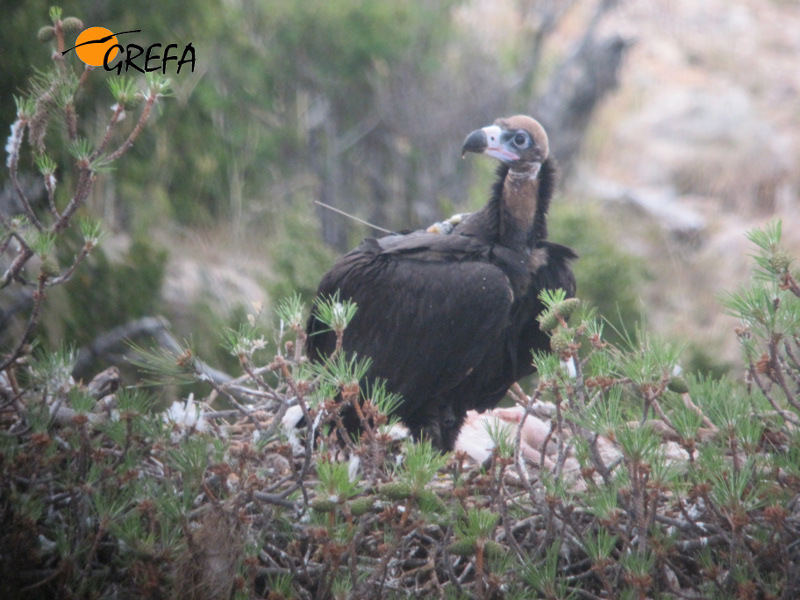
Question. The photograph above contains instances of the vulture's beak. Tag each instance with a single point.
(488, 141)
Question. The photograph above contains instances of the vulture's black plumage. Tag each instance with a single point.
(449, 321)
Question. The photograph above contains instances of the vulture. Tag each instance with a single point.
(449, 320)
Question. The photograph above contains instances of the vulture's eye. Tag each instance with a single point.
(521, 140)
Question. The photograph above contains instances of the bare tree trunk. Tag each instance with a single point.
(584, 79)
(326, 163)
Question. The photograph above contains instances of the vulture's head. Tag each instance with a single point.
(519, 141)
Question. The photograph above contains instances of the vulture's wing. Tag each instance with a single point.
(430, 307)
(555, 271)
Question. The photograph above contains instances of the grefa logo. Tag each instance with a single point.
(98, 46)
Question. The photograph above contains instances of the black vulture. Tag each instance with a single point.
(449, 321)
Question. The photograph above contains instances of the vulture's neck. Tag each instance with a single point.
(516, 215)
(518, 206)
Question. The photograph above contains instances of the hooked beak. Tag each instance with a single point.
(487, 141)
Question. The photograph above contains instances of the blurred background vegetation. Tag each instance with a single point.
(355, 103)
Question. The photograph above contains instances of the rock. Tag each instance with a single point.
(223, 284)
(708, 140)
(662, 204)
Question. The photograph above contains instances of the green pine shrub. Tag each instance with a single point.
(659, 483)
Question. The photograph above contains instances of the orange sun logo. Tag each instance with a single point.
(93, 43)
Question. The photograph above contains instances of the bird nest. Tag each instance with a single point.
(199, 501)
